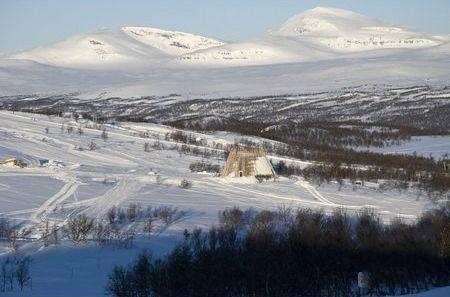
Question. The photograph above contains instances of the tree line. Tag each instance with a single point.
(399, 178)
(328, 143)
(295, 253)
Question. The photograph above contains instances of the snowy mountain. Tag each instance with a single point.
(316, 34)
(339, 47)
(130, 46)
(313, 35)
(348, 31)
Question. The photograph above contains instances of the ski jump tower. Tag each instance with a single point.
(247, 161)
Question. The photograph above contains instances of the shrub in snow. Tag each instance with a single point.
(92, 146)
(133, 212)
(232, 218)
(169, 215)
(157, 145)
(260, 178)
(184, 183)
(104, 135)
(158, 179)
(78, 228)
(111, 215)
(202, 166)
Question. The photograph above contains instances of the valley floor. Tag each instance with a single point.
(120, 172)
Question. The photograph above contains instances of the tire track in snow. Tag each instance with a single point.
(316, 193)
(113, 197)
(239, 190)
(65, 192)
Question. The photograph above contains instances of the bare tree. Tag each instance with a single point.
(45, 232)
(22, 272)
(149, 225)
(54, 234)
(92, 145)
(7, 274)
(133, 212)
(78, 228)
(102, 234)
(104, 135)
(111, 215)
(232, 218)
(76, 116)
(12, 238)
(121, 215)
(168, 215)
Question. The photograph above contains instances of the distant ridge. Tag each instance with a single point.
(317, 34)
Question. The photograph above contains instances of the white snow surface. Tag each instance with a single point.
(120, 172)
(318, 50)
(436, 146)
(128, 47)
(344, 30)
(263, 167)
(438, 292)
(173, 43)
(316, 34)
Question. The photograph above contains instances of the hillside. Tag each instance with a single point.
(316, 34)
(344, 30)
(128, 46)
(322, 49)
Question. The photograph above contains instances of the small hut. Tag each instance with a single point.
(246, 161)
(13, 163)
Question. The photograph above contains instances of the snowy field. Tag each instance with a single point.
(120, 172)
(436, 146)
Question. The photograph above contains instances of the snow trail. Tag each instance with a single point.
(49, 205)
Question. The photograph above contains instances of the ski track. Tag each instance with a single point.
(49, 205)
(113, 197)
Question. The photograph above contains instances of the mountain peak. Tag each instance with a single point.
(330, 10)
(344, 30)
(325, 21)
(315, 34)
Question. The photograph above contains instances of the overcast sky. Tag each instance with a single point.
(25, 24)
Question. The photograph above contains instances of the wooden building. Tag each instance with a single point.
(246, 161)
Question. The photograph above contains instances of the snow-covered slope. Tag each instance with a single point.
(329, 45)
(173, 43)
(313, 35)
(269, 49)
(128, 46)
(316, 34)
(120, 173)
(348, 31)
(101, 48)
